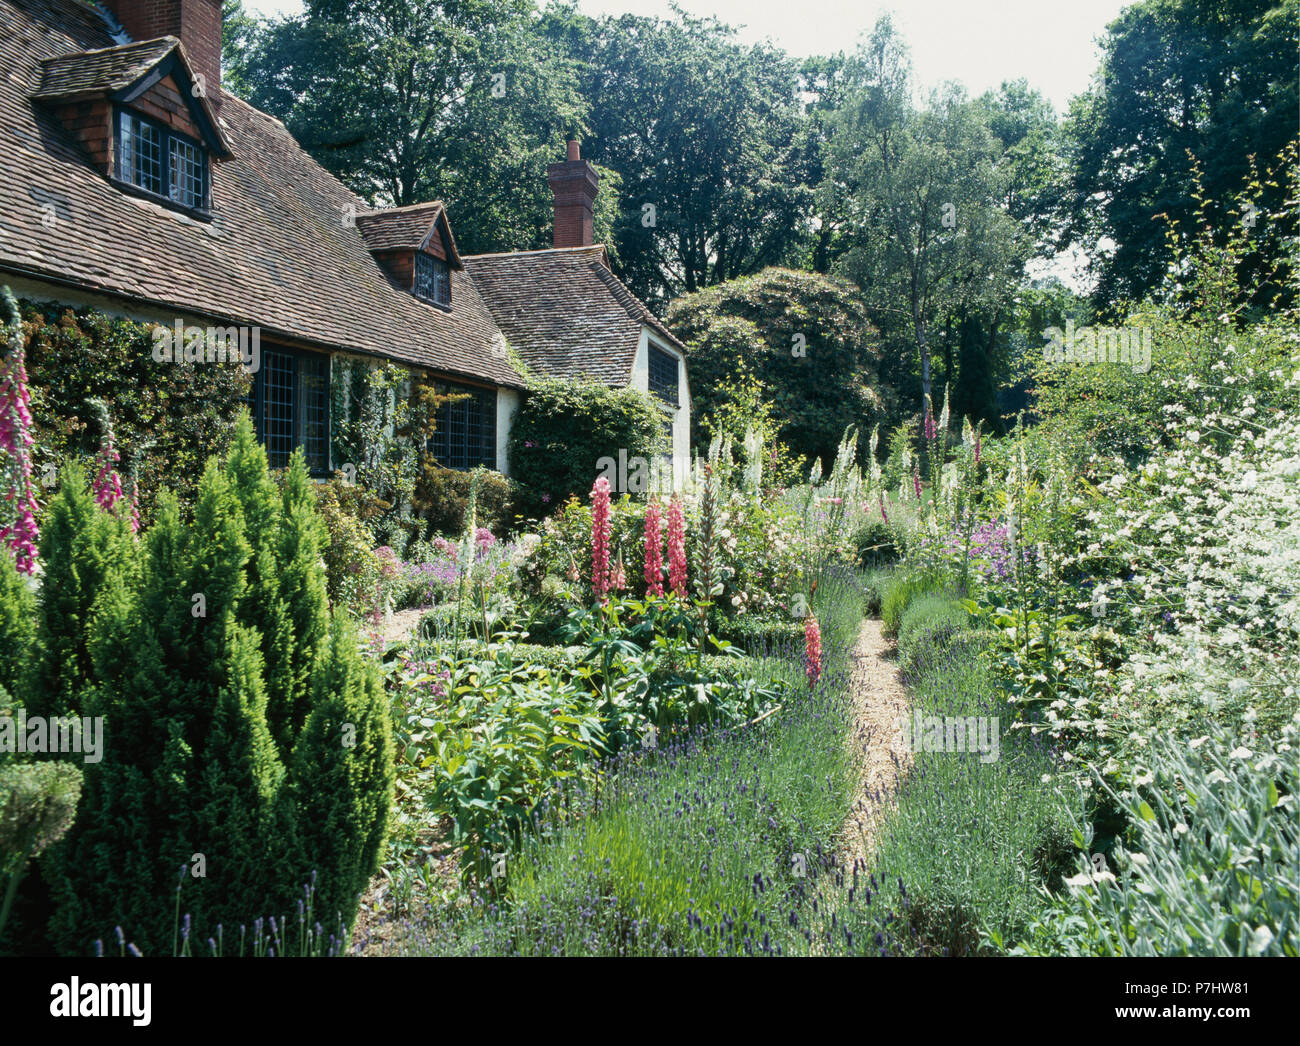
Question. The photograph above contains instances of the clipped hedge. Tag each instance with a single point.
(562, 429)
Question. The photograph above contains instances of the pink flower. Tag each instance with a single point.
(654, 551)
(601, 532)
(882, 507)
(107, 485)
(16, 438)
(931, 432)
(977, 447)
(812, 657)
(618, 579)
(677, 548)
(135, 506)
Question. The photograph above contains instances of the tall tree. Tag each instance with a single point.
(707, 136)
(413, 100)
(1181, 81)
(924, 195)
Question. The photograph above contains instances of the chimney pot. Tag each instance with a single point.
(573, 150)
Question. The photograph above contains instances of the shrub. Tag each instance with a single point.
(762, 637)
(1214, 865)
(17, 623)
(926, 632)
(352, 569)
(876, 544)
(962, 854)
(37, 804)
(82, 550)
(442, 496)
(750, 325)
(171, 415)
(244, 734)
(898, 591)
(563, 428)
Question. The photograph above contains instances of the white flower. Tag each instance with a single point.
(1260, 940)
(1180, 829)
(1240, 752)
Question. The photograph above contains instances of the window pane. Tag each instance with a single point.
(663, 375)
(141, 161)
(315, 377)
(466, 433)
(441, 282)
(186, 161)
(277, 407)
(423, 276)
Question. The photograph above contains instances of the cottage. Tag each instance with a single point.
(133, 183)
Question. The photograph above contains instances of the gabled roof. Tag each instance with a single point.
(565, 312)
(410, 228)
(103, 69)
(279, 252)
(124, 72)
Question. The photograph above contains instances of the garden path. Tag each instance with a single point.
(879, 751)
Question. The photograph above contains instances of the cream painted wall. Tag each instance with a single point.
(682, 418)
(507, 404)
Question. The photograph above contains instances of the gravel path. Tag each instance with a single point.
(879, 702)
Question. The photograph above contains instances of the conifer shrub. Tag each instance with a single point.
(82, 549)
(17, 624)
(247, 745)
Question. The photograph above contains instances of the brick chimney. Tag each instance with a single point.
(197, 23)
(574, 183)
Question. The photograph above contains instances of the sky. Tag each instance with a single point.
(977, 42)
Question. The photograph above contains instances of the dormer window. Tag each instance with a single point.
(162, 162)
(433, 280)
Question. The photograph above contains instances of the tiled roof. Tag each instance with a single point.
(564, 312)
(106, 69)
(281, 251)
(400, 228)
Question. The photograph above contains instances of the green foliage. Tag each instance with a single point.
(166, 417)
(1188, 85)
(249, 747)
(353, 572)
(701, 126)
(442, 495)
(17, 624)
(898, 591)
(970, 841)
(926, 631)
(691, 842)
(83, 551)
(922, 193)
(876, 543)
(754, 325)
(37, 804)
(562, 429)
(427, 73)
(1213, 865)
(343, 777)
